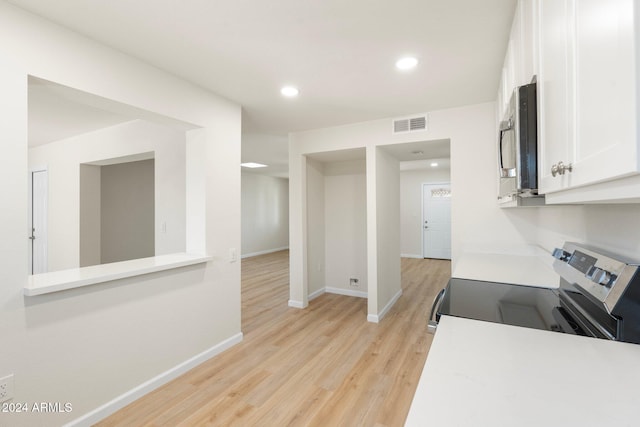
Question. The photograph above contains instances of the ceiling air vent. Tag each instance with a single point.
(410, 124)
(401, 125)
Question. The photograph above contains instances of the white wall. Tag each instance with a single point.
(127, 226)
(315, 220)
(345, 225)
(411, 206)
(615, 227)
(336, 248)
(63, 159)
(387, 209)
(265, 214)
(89, 210)
(90, 345)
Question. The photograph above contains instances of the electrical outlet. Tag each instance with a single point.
(6, 388)
(353, 282)
(233, 255)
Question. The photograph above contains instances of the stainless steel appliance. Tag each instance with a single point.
(518, 146)
(599, 296)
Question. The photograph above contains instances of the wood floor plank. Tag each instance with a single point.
(324, 365)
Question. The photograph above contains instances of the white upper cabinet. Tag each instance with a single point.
(587, 97)
(556, 135)
(520, 62)
(605, 86)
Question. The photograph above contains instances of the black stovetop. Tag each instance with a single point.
(506, 303)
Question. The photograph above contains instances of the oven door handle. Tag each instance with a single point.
(432, 325)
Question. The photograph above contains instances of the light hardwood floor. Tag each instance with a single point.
(321, 366)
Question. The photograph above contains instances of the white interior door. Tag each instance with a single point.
(436, 221)
(39, 184)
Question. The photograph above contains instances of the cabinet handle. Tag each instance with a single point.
(560, 169)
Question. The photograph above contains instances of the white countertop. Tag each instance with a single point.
(533, 270)
(56, 281)
(488, 374)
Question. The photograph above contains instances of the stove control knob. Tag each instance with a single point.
(561, 254)
(599, 276)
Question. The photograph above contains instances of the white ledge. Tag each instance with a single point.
(56, 281)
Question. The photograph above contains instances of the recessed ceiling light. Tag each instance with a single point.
(406, 63)
(253, 165)
(289, 91)
(434, 165)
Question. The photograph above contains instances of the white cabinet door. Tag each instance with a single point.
(529, 41)
(587, 92)
(517, 49)
(522, 44)
(507, 82)
(605, 89)
(516, 69)
(555, 90)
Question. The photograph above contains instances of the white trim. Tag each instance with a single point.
(135, 393)
(338, 291)
(316, 294)
(62, 280)
(267, 251)
(296, 304)
(376, 318)
(412, 255)
(347, 292)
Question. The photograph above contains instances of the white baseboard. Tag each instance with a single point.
(376, 318)
(267, 251)
(296, 304)
(339, 291)
(348, 292)
(123, 400)
(419, 256)
(316, 294)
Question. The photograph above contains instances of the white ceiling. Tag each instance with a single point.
(339, 53)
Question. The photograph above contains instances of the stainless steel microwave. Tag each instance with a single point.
(518, 145)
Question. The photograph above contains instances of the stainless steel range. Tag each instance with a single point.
(599, 296)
